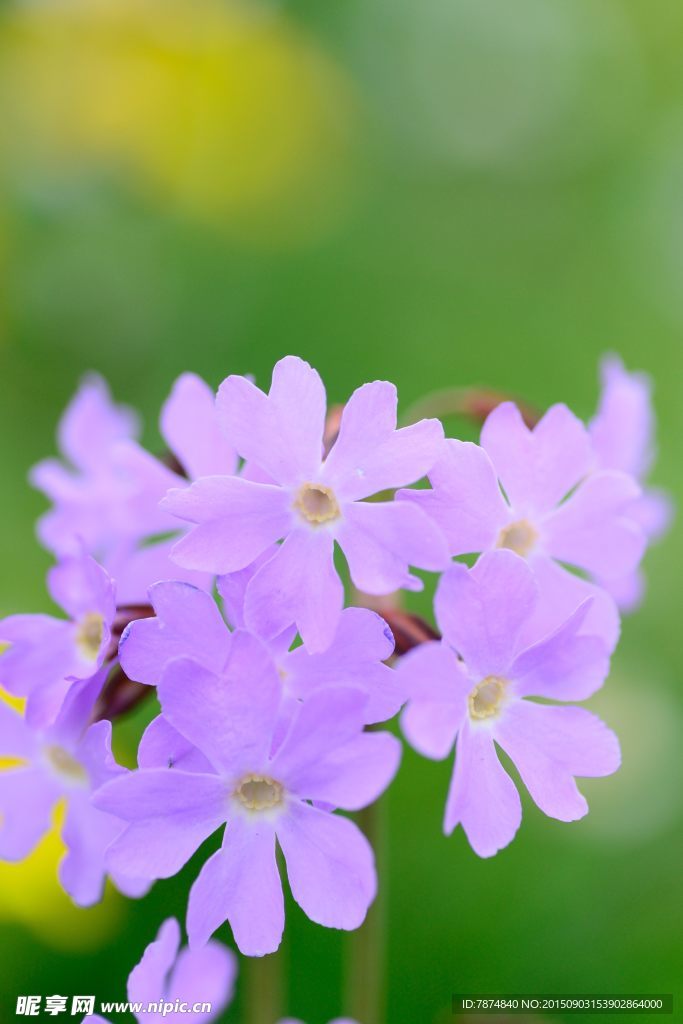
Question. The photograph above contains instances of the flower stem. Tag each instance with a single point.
(366, 948)
(264, 989)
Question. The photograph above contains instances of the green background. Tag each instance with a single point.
(515, 211)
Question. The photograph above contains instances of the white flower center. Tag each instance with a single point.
(519, 537)
(486, 698)
(65, 764)
(317, 504)
(89, 635)
(259, 792)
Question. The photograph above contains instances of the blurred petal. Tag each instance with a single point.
(538, 467)
(189, 426)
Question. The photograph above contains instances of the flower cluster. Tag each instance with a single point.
(211, 578)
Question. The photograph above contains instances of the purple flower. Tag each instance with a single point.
(189, 624)
(45, 654)
(535, 492)
(106, 499)
(192, 977)
(337, 1020)
(66, 761)
(474, 687)
(325, 757)
(622, 433)
(312, 502)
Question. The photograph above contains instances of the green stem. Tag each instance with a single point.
(264, 988)
(366, 947)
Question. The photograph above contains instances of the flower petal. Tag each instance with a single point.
(187, 624)
(236, 520)
(537, 467)
(330, 865)
(482, 797)
(147, 980)
(282, 432)
(27, 797)
(370, 454)
(592, 530)
(465, 501)
(229, 718)
(189, 426)
(171, 812)
(241, 884)
(481, 611)
(382, 539)
(299, 582)
(567, 665)
(549, 746)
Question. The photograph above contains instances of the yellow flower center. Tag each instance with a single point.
(66, 765)
(259, 792)
(519, 537)
(89, 636)
(486, 698)
(317, 504)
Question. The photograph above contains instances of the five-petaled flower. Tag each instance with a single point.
(475, 685)
(312, 501)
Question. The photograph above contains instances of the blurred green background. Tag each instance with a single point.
(449, 192)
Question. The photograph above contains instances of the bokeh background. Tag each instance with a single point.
(449, 192)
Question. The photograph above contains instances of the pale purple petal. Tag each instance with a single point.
(171, 812)
(466, 501)
(147, 980)
(653, 511)
(326, 756)
(481, 611)
(16, 739)
(233, 587)
(299, 582)
(229, 718)
(41, 652)
(236, 521)
(565, 666)
(27, 797)
(549, 746)
(561, 592)
(431, 727)
(80, 586)
(628, 590)
(623, 428)
(482, 796)
(355, 657)
(280, 433)
(592, 529)
(382, 539)
(162, 746)
(370, 455)
(135, 569)
(205, 975)
(330, 866)
(189, 426)
(187, 624)
(538, 467)
(87, 834)
(92, 422)
(241, 884)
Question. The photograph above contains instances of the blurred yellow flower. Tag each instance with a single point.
(228, 112)
(30, 893)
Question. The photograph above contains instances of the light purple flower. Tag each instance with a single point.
(106, 498)
(623, 436)
(189, 624)
(337, 1020)
(66, 761)
(312, 502)
(191, 977)
(45, 654)
(535, 492)
(474, 687)
(325, 757)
